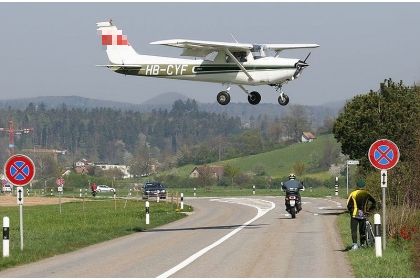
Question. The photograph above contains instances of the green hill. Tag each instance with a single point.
(279, 163)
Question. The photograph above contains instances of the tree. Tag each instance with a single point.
(299, 168)
(392, 113)
(231, 171)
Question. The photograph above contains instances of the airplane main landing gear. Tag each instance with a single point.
(254, 98)
(223, 98)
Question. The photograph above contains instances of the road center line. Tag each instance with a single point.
(261, 212)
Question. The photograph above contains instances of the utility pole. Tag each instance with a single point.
(12, 132)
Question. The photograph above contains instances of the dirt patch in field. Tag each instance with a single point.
(10, 200)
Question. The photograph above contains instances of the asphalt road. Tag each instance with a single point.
(224, 237)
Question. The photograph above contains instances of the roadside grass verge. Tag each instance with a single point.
(48, 233)
(396, 261)
(236, 191)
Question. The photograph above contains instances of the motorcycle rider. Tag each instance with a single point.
(293, 186)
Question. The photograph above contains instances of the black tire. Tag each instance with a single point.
(283, 101)
(255, 98)
(370, 237)
(223, 98)
(293, 212)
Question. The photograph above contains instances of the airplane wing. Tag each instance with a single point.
(202, 48)
(281, 47)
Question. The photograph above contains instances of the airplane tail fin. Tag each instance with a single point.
(117, 47)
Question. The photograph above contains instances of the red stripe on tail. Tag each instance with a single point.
(106, 40)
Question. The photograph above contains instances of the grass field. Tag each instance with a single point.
(47, 232)
(277, 163)
(236, 191)
(396, 262)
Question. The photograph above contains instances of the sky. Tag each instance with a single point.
(51, 49)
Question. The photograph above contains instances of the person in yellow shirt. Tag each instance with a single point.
(359, 204)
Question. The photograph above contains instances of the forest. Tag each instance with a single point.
(181, 135)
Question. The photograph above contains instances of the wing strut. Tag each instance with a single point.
(238, 63)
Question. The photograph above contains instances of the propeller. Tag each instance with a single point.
(300, 65)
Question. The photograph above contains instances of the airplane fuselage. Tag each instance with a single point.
(266, 70)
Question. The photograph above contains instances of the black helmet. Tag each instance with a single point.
(292, 176)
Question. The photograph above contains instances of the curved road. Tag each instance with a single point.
(224, 237)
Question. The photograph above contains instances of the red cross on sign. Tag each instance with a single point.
(384, 154)
(19, 170)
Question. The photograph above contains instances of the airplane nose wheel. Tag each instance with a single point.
(254, 98)
(223, 98)
(283, 99)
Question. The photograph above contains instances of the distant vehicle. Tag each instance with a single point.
(7, 188)
(104, 188)
(154, 189)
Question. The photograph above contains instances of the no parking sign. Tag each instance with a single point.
(383, 155)
(19, 170)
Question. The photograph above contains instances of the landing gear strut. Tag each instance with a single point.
(283, 98)
(253, 97)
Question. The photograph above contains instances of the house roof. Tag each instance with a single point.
(219, 170)
(308, 135)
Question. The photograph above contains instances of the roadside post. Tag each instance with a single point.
(6, 225)
(383, 155)
(51, 192)
(182, 201)
(147, 213)
(80, 192)
(19, 170)
(195, 189)
(377, 233)
(158, 196)
(253, 189)
(336, 186)
(349, 162)
(60, 185)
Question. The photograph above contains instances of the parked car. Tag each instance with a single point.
(104, 188)
(154, 189)
(6, 188)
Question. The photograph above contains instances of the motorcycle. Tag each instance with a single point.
(292, 201)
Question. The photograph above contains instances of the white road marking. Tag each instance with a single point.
(262, 208)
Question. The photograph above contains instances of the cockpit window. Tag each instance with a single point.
(258, 51)
(240, 56)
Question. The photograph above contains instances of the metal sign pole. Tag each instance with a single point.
(347, 175)
(384, 185)
(19, 199)
(21, 226)
(59, 198)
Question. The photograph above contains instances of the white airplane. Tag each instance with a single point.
(231, 63)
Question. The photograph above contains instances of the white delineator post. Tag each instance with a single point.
(253, 189)
(336, 186)
(80, 192)
(194, 192)
(6, 224)
(147, 213)
(158, 196)
(377, 232)
(182, 201)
